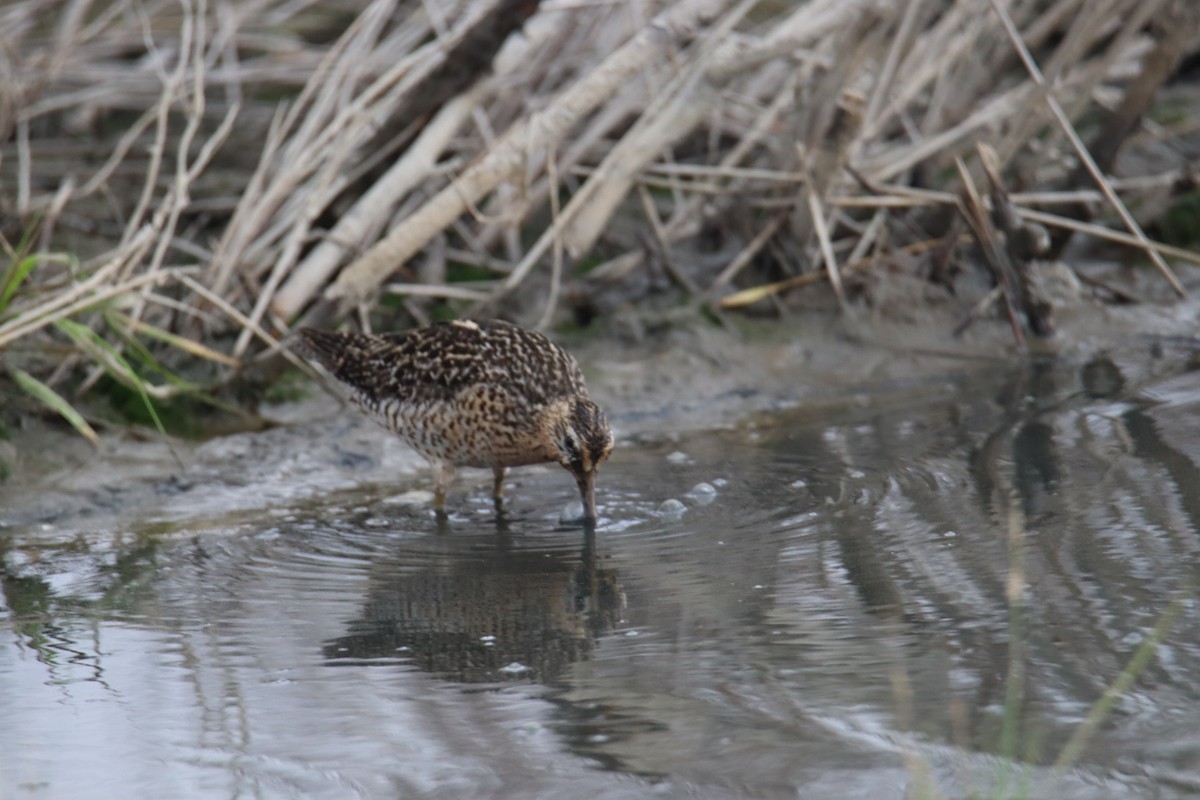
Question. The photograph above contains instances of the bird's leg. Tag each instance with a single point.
(443, 474)
(498, 485)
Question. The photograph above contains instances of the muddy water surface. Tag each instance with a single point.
(922, 593)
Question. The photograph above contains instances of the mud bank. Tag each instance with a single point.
(655, 374)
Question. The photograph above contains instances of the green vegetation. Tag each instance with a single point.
(1180, 224)
(55, 402)
(154, 273)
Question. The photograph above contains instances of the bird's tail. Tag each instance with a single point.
(358, 360)
(327, 348)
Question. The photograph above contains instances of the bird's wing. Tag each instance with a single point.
(438, 362)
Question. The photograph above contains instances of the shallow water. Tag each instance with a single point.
(922, 593)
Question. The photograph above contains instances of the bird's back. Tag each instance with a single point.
(468, 392)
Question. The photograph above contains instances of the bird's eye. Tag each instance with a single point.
(571, 448)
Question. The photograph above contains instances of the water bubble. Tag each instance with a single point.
(415, 497)
(703, 493)
(671, 509)
(679, 457)
(571, 512)
(515, 668)
(529, 728)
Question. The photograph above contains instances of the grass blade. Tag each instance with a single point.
(126, 327)
(179, 342)
(14, 276)
(55, 402)
(112, 361)
(1103, 707)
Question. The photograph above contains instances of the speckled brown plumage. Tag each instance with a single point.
(477, 394)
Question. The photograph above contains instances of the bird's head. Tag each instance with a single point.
(580, 440)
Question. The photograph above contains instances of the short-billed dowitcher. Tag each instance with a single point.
(473, 394)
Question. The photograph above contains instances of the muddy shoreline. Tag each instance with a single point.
(655, 377)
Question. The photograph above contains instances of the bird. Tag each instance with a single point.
(474, 394)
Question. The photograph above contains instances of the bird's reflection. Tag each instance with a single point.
(485, 611)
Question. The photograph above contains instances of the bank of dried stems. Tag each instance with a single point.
(224, 170)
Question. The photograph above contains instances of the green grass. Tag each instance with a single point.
(1178, 225)
(55, 402)
(110, 359)
(290, 387)
(138, 386)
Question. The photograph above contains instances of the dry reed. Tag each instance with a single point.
(222, 171)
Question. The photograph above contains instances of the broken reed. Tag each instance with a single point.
(221, 176)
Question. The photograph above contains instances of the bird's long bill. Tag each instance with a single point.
(587, 493)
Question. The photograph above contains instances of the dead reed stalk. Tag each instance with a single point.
(220, 171)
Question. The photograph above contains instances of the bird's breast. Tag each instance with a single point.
(480, 427)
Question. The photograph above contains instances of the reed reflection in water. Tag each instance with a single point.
(922, 594)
